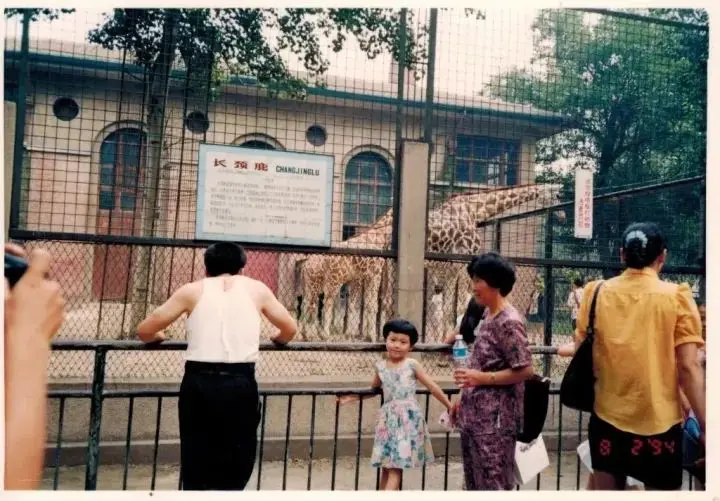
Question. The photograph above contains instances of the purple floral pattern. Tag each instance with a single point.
(490, 417)
(401, 436)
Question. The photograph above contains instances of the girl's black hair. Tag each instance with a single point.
(642, 244)
(401, 326)
(494, 270)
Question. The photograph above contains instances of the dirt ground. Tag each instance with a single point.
(296, 476)
(273, 366)
(274, 475)
(83, 322)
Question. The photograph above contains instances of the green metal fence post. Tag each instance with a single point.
(96, 403)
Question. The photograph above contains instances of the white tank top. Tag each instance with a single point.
(225, 324)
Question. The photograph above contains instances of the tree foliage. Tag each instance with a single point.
(36, 14)
(636, 93)
(251, 41)
(214, 44)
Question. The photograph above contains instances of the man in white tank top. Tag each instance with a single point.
(219, 405)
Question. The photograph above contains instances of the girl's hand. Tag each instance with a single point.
(465, 378)
(453, 412)
(346, 399)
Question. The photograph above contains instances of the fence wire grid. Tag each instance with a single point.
(111, 108)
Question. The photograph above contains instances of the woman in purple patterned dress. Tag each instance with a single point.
(489, 414)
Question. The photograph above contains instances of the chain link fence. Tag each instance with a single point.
(112, 107)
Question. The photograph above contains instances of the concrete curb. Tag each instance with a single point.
(298, 448)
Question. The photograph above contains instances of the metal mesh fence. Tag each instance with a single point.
(541, 94)
(114, 105)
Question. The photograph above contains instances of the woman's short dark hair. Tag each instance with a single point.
(494, 270)
(579, 282)
(401, 326)
(224, 257)
(642, 244)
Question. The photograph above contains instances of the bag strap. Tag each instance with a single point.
(590, 332)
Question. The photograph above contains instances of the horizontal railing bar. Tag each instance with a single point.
(99, 239)
(605, 196)
(110, 345)
(69, 393)
(564, 263)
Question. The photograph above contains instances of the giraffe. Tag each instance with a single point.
(323, 274)
(451, 229)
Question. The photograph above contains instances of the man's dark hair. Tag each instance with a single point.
(494, 270)
(579, 282)
(642, 244)
(224, 257)
(401, 326)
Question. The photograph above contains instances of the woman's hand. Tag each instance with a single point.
(566, 350)
(465, 378)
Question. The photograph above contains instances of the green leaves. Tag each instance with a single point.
(636, 91)
(624, 83)
(36, 14)
(252, 41)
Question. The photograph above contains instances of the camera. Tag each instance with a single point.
(15, 268)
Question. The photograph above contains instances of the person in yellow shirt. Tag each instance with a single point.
(645, 351)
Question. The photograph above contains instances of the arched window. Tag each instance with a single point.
(368, 191)
(121, 173)
(121, 156)
(258, 145)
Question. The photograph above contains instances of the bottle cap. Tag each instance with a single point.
(458, 337)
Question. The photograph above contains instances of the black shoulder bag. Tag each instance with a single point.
(577, 390)
(535, 407)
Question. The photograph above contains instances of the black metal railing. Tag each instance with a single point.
(345, 451)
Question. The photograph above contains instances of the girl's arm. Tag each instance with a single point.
(431, 385)
(376, 383)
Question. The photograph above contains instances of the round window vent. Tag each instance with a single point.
(197, 122)
(316, 135)
(65, 109)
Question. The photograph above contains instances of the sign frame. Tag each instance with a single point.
(584, 203)
(205, 147)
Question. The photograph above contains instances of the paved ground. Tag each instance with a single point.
(296, 477)
(297, 474)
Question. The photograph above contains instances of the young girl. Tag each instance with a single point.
(401, 436)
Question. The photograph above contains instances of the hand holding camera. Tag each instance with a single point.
(34, 305)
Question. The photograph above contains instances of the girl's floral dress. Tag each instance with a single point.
(401, 436)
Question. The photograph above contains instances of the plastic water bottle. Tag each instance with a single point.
(460, 353)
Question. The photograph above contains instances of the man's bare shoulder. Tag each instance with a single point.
(191, 290)
(252, 283)
(257, 290)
